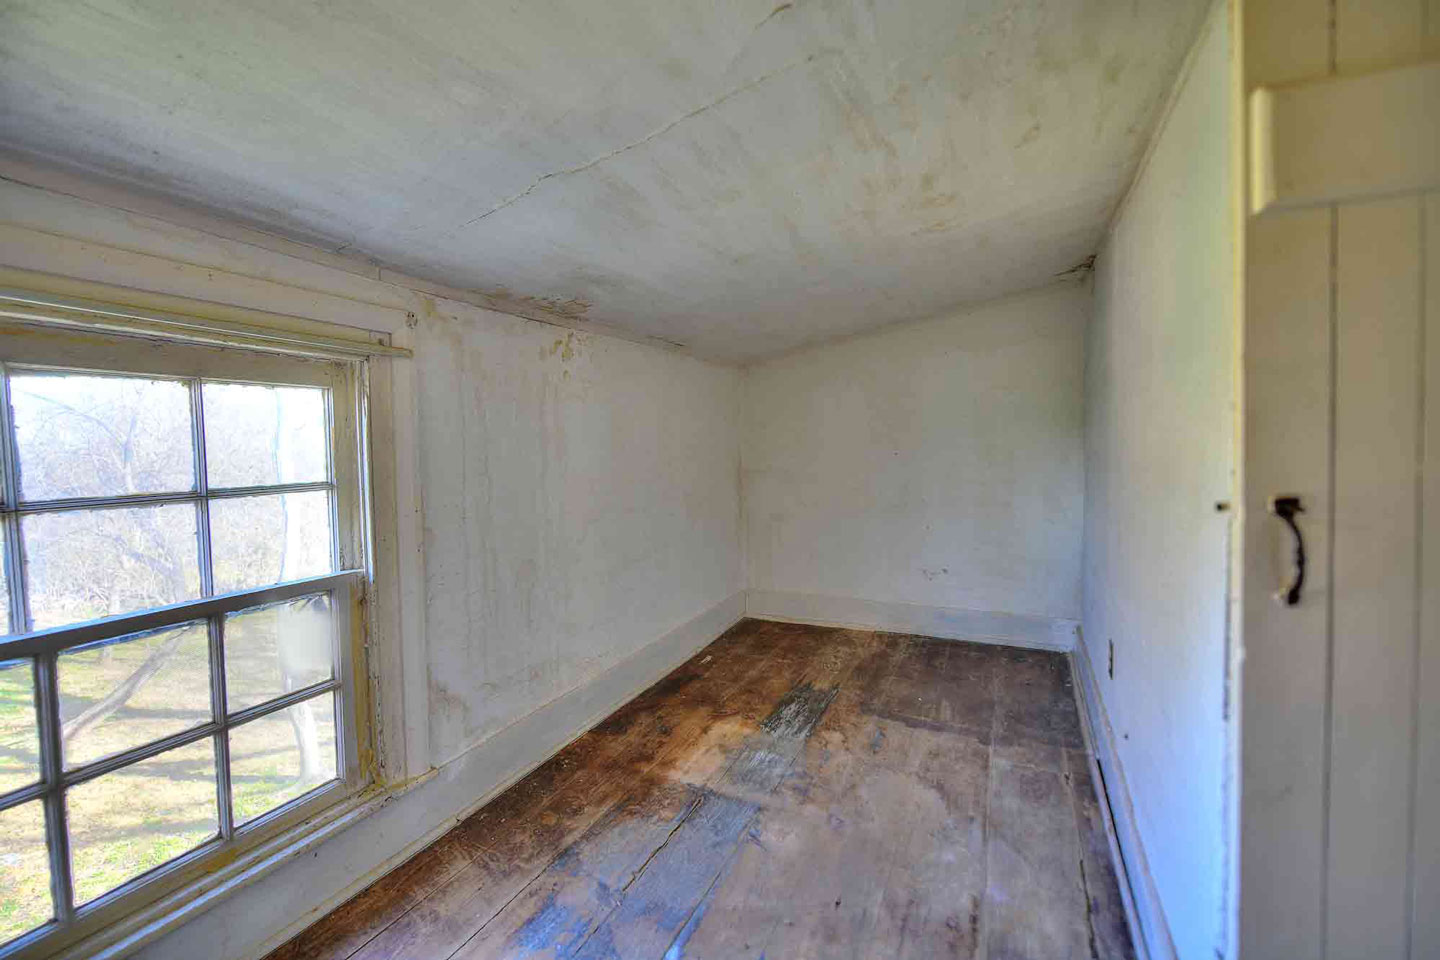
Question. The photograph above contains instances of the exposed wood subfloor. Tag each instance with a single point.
(790, 792)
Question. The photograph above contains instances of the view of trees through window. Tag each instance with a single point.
(127, 494)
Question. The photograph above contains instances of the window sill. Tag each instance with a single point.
(154, 920)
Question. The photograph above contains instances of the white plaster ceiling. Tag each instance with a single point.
(739, 176)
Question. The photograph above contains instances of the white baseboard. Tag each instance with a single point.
(265, 914)
(1148, 927)
(949, 623)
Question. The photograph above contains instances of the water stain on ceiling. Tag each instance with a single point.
(741, 177)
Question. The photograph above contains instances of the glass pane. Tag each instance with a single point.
(84, 564)
(135, 819)
(276, 649)
(5, 627)
(24, 870)
(281, 756)
(86, 436)
(258, 436)
(19, 734)
(255, 541)
(125, 692)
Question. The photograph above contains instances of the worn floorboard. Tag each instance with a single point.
(790, 791)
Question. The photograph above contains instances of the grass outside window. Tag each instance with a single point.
(179, 563)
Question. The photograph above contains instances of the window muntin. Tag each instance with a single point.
(172, 602)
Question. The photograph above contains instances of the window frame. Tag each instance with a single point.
(345, 381)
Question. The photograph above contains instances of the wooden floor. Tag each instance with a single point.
(790, 792)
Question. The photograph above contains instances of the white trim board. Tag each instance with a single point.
(1149, 929)
(1348, 138)
(402, 826)
(946, 623)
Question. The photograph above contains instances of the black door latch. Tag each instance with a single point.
(1286, 508)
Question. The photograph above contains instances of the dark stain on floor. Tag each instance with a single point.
(790, 791)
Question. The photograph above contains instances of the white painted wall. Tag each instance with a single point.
(581, 499)
(1159, 435)
(935, 465)
(567, 526)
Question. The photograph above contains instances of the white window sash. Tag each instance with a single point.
(196, 361)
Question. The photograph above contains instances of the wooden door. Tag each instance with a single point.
(1340, 721)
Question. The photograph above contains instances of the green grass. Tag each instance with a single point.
(19, 748)
(139, 817)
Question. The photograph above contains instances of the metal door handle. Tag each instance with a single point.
(1286, 508)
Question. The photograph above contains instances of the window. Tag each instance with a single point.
(182, 558)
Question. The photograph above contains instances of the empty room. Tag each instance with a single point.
(749, 479)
